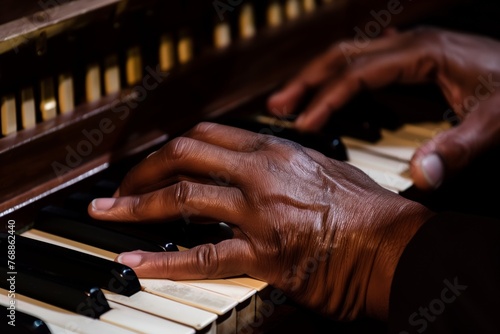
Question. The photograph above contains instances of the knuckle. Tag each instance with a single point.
(135, 209)
(182, 193)
(176, 148)
(207, 260)
(203, 127)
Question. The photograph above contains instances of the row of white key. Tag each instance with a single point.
(388, 160)
(197, 304)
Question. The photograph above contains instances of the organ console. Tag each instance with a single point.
(90, 87)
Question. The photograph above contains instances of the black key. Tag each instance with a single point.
(328, 144)
(22, 323)
(69, 265)
(86, 300)
(69, 225)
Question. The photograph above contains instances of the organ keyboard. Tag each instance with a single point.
(88, 88)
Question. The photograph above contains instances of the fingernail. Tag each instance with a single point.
(130, 259)
(432, 168)
(103, 204)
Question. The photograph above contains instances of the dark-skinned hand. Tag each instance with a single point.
(465, 67)
(318, 229)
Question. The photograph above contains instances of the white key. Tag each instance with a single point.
(222, 35)
(134, 66)
(360, 156)
(292, 9)
(245, 296)
(9, 118)
(185, 49)
(166, 53)
(66, 93)
(93, 83)
(176, 291)
(112, 80)
(274, 14)
(387, 180)
(189, 295)
(250, 282)
(48, 104)
(389, 146)
(54, 329)
(28, 109)
(421, 132)
(165, 308)
(247, 21)
(51, 314)
(141, 322)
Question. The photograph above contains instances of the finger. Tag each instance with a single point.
(224, 259)
(368, 72)
(451, 151)
(182, 156)
(327, 66)
(228, 137)
(182, 200)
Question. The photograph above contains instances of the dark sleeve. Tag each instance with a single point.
(448, 278)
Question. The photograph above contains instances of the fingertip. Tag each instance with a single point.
(428, 172)
(275, 103)
(132, 259)
(284, 101)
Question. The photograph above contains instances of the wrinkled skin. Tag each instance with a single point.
(318, 229)
(465, 67)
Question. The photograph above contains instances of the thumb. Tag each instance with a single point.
(448, 153)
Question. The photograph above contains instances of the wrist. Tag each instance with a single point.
(394, 238)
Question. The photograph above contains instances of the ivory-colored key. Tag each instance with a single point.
(66, 93)
(176, 291)
(112, 79)
(360, 156)
(387, 180)
(167, 52)
(141, 322)
(71, 321)
(93, 83)
(166, 308)
(245, 310)
(222, 35)
(292, 9)
(48, 103)
(274, 14)
(389, 146)
(309, 6)
(190, 295)
(9, 118)
(28, 109)
(134, 66)
(185, 49)
(247, 21)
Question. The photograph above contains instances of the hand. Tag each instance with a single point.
(465, 67)
(318, 229)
